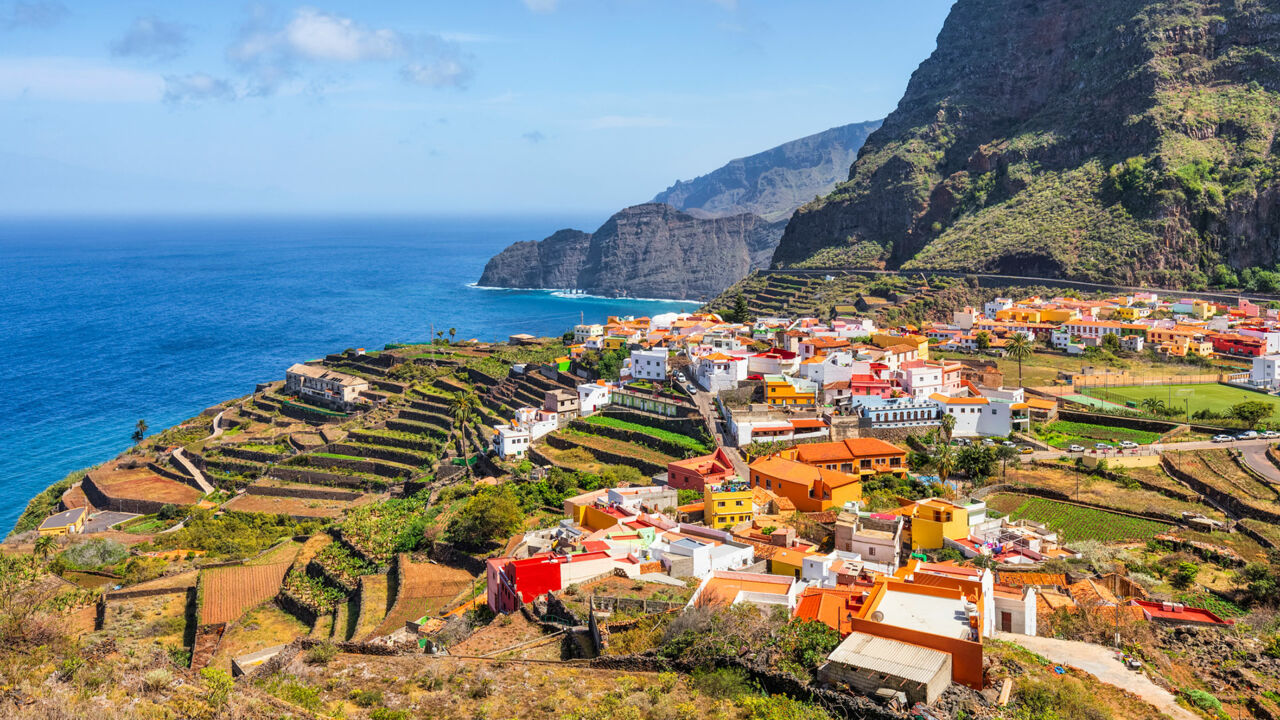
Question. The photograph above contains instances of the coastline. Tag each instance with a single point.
(563, 293)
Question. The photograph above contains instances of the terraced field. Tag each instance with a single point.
(1107, 493)
(1218, 470)
(226, 593)
(1076, 523)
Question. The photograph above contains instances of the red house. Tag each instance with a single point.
(512, 583)
(697, 473)
(1238, 345)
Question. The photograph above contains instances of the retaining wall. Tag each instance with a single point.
(305, 493)
(379, 453)
(632, 436)
(605, 456)
(386, 441)
(1230, 502)
(314, 477)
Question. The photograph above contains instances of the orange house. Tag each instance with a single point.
(810, 489)
(855, 456)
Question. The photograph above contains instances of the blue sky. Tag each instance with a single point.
(476, 106)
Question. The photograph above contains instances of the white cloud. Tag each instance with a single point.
(320, 36)
(196, 87)
(273, 54)
(609, 122)
(542, 6)
(75, 80)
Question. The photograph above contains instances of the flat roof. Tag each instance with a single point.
(945, 616)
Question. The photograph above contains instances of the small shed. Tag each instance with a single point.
(868, 663)
(64, 523)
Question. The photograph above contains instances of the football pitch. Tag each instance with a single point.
(1209, 396)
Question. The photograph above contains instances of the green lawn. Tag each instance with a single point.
(1210, 396)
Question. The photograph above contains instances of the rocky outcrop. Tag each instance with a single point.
(551, 263)
(650, 250)
(772, 184)
(1131, 140)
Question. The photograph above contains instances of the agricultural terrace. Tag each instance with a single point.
(227, 592)
(425, 589)
(1074, 522)
(1094, 490)
(1183, 399)
(1220, 471)
(380, 530)
(1062, 434)
(264, 626)
(683, 440)
(1042, 368)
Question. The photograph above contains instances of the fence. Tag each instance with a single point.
(1128, 379)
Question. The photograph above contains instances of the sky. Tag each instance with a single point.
(424, 106)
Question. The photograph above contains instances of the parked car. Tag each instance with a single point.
(1026, 450)
(1128, 444)
(1271, 434)
(1007, 443)
(1102, 446)
(1247, 435)
(1076, 448)
(1222, 438)
(988, 441)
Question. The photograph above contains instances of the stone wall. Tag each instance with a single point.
(604, 456)
(304, 493)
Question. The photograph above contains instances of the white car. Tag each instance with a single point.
(1247, 435)
(1222, 438)
(1007, 443)
(1128, 444)
(1076, 448)
(1271, 434)
(1102, 446)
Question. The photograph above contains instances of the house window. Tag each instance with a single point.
(871, 552)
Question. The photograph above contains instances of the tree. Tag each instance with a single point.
(1004, 454)
(45, 546)
(983, 339)
(1184, 576)
(1251, 412)
(978, 463)
(463, 407)
(1111, 342)
(453, 332)
(740, 312)
(948, 425)
(1154, 405)
(1020, 348)
(944, 459)
(486, 517)
(139, 431)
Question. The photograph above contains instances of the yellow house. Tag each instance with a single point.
(1131, 312)
(64, 523)
(885, 340)
(1058, 315)
(782, 390)
(789, 561)
(1019, 314)
(727, 504)
(613, 342)
(934, 520)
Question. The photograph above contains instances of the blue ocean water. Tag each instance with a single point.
(109, 321)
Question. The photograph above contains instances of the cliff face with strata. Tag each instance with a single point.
(696, 238)
(1125, 140)
(650, 250)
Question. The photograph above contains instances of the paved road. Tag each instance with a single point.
(1255, 456)
(1101, 662)
(195, 473)
(715, 424)
(1258, 446)
(217, 426)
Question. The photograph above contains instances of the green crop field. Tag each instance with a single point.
(1063, 434)
(1075, 523)
(1211, 396)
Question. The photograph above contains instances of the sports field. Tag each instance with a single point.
(1211, 396)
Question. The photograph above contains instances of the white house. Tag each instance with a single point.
(1265, 372)
(582, 333)
(649, 364)
(530, 424)
(875, 538)
(994, 413)
(922, 378)
(592, 397)
(995, 306)
(324, 386)
(717, 371)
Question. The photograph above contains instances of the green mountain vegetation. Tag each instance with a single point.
(1131, 140)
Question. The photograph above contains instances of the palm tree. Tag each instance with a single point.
(45, 546)
(452, 333)
(139, 431)
(1005, 453)
(1154, 405)
(944, 459)
(1020, 348)
(463, 407)
(948, 425)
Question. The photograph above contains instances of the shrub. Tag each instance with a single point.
(157, 680)
(321, 654)
(218, 684)
(366, 698)
(387, 714)
(94, 554)
(728, 683)
(1204, 701)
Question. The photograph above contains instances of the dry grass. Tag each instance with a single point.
(262, 627)
(143, 621)
(1105, 493)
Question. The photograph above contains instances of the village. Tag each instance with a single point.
(1079, 479)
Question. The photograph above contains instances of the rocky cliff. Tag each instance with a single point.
(697, 237)
(1123, 140)
(650, 250)
(772, 184)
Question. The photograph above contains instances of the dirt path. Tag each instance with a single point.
(195, 473)
(1101, 662)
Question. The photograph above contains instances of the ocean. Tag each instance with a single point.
(109, 321)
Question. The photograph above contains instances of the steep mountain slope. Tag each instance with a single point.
(772, 184)
(650, 250)
(682, 251)
(1128, 139)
